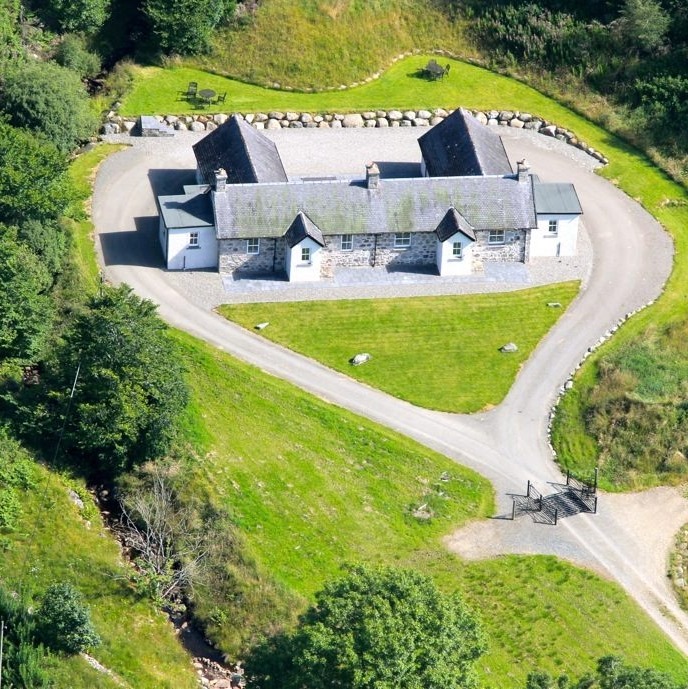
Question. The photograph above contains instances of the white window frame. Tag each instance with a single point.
(553, 228)
(253, 246)
(402, 240)
(457, 251)
(347, 242)
(496, 237)
(305, 254)
(193, 239)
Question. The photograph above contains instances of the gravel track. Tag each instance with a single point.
(631, 257)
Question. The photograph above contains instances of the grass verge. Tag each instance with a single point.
(437, 352)
(82, 171)
(310, 487)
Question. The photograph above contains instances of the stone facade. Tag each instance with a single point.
(370, 250)
(512, 250)
(234, 258)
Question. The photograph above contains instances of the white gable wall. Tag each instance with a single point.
(299, 270)
(181, 255)
(563, 243)
(447, 263)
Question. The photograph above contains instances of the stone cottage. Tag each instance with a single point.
(245, 217)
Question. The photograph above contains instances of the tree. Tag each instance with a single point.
(64, 620)
(381, 628)
(75, 15)
(26, 309)
(34, 182)
(130, 387)
(49, 100)
(47, 239)
(185, 26)
(644, 24)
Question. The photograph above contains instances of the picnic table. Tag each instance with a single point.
(433, 70)
(206, 95)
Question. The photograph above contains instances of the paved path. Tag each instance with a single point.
(630, 537)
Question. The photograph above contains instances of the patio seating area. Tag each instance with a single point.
(202, 98)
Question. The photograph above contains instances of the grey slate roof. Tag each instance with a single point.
(303, 227)
(460, 145)
(187, 210)
(398, 205)
(454, 222)
(556, 198)
(245, 154)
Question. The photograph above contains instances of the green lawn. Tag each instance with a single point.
(436, 352)
(311, 486)
(53, 542)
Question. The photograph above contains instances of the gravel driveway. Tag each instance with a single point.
(629, 538)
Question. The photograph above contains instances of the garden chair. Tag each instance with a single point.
(222, 98)
(192, 89)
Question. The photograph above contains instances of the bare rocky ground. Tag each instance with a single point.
(630, 537)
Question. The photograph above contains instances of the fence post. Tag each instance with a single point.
(568, 476)
(596, 471)
(513, 510)
(594, 510)
(528, 491)
(556, 516)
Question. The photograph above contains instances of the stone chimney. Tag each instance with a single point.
(372, 176)
(523, 170)
(220, 179)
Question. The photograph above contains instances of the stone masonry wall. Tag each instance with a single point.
(233, 256)
(116, 124)
(513, 249)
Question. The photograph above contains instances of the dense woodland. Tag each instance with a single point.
(61, 63)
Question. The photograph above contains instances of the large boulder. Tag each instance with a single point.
(352, 120)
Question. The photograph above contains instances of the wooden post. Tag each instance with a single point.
(556, 516)
(568, 476)
(513, 510)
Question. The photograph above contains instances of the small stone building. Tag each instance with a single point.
(246, 218)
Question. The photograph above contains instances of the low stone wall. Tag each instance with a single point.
(116, 124)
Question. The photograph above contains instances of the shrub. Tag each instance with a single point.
(73, 54)
(49, 100)
(64, 621)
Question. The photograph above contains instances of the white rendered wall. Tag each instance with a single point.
(563, 243)
(184, 257)
(297, 270)
(447, 264)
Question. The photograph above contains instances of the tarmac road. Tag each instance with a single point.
(629, 539)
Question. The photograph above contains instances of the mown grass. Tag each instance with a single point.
(54, 542)
(436, 352)
(316, 43)
(310, 487)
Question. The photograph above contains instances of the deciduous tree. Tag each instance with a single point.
(49, 100)
(130, 387)
(375, 628)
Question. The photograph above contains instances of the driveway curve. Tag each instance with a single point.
(629, 539)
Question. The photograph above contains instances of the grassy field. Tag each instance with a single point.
(437, 352)
(54, 542)
(311, 486)
(317, 43)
